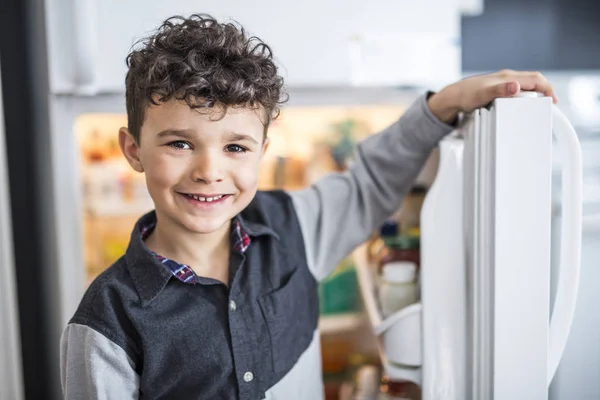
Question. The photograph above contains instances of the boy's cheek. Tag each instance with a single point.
(248, 185)
(248, 177)
(160, 176)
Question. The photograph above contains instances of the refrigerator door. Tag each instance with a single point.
(11, 380)
(508, 167)
(508, 266)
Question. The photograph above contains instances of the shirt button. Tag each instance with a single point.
(248, 376)
(233, 307)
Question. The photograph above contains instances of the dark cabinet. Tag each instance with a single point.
(533, 35)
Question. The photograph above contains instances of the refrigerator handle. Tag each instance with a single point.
(570, 246)
(85, 47)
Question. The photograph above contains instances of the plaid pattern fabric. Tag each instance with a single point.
(184, 273)
(239, 238)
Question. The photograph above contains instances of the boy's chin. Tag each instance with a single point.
(207, 226)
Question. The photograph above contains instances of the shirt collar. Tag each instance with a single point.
(255, 229)
(149, 276)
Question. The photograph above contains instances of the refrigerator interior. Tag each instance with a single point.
(306, 143)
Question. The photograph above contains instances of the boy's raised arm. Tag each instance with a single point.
(340, 211)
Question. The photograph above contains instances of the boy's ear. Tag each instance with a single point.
(130, 149)
(265, 146)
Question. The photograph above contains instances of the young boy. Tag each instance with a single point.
(216, 296)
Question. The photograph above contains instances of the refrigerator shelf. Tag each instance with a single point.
(408, 320)
(340, 323)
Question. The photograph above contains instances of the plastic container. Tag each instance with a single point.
(398, 287)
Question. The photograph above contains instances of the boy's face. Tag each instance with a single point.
(201, 170)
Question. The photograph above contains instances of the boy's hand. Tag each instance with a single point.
(477, 91)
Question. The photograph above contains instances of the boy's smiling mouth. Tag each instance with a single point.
(209, 199)
(196, 198)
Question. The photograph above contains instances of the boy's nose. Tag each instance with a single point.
(207, 169)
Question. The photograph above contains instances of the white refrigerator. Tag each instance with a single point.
(485, 327)
(86, 42)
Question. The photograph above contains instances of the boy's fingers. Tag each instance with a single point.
(535, 81)
(508, 89)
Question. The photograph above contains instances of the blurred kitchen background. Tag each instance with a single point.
(68, 200)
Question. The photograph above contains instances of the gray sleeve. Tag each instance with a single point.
(93, 367)
(342, 210)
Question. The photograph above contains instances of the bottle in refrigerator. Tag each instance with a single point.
(398, 287)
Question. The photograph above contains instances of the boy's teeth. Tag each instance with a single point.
(208, 199)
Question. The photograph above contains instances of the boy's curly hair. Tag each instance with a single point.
(205, 63)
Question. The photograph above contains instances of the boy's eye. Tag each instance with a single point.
(234, 148)
(179, 144)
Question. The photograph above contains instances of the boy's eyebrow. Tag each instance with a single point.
(184, 133)
(175, 132)
(236, 137)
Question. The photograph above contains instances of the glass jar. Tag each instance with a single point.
(401, 248)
